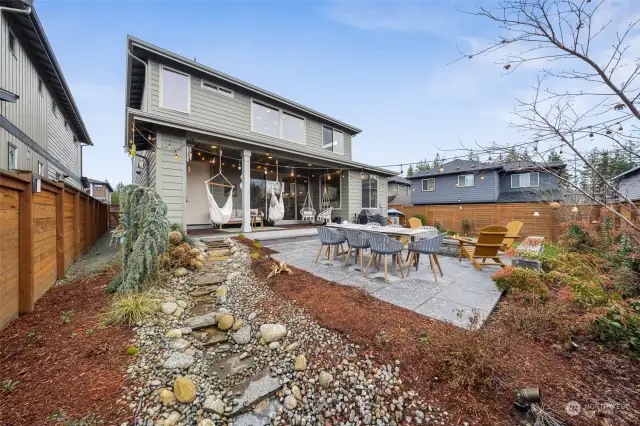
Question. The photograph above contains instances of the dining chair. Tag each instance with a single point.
(430, 247)
(384, 245)
(330, 238)
(357, 240)
(373, 224)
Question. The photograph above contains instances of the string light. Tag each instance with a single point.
(176, 157)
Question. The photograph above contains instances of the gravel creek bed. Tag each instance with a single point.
(226, 350)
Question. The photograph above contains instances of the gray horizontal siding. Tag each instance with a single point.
(447, 192)
(401, 198)
(61, 145)
(545, 192)
(630, 187)
(547, 181)
(146, 175)
(171, 174)
(233, 116)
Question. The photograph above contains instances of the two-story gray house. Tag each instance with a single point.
(41, 129)
(464, 182)
(399, 191)
(186, 122)
(629, 183)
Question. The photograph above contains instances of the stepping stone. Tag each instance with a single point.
(203, 308)
(261, 414)
(215, 336)
(203, 291)
(214, 253)
(253, 390)
(230, 366)
(218, 258)
(209, 279)
(201, 321)
(178, 360)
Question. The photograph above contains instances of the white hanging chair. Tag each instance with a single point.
(276, 206)
(307, 212)
(219, 216)
(325, 204)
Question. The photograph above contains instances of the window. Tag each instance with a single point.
(466, 180)
(293, 128)
(12, 43)
(40, 169)
(525, 180)
(407, 189)
(429, 184)
(332, 140)
(175, 90)
(40, 86)
(12, 157)
(217, 89)
(396, 189)
(54, 108)
(330, 184)
(369, 191)
(277, 123)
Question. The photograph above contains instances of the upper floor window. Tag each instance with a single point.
(96, 187)
(217, 89)
(12, 42)
(396, 189)
(466, 180)
(13, 157)
(369, 191)
(332, 140)
(428, 184)
(175, 90)
(278, 123)
(525, 180)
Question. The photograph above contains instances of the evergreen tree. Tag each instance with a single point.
(473, 156)
(437, 161)
(554, 157)
(422, 166)
(115, 195)
(410, 171)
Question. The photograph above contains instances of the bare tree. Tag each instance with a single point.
(587, 84)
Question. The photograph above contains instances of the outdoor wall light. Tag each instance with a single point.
(36, 184)
(536, 214)
(574, 209)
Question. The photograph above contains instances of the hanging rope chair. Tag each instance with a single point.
(325, 204)
(276, 206)
(307, 212)
(217, 215)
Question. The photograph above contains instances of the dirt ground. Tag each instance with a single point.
(59, 365)
(593, 377)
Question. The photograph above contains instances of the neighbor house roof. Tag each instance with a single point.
(136, 82)
(467, 166)
(100, 182)
(30, 32)
(400, 180)
(628, 173)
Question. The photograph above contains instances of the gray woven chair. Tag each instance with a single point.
(357, 240)
(383, 245)
(428, 246)
(429, 231)
(330, 238)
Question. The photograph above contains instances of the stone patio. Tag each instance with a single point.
(462, 293)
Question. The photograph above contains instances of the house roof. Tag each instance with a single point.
(136, 82)
(530, 196)
(466, 166)
(400, 180)
(101, 182)
(628, 173)
(30, 32)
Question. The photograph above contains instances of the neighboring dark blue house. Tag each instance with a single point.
(464, 181)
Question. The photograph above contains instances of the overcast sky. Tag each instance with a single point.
(380, 66)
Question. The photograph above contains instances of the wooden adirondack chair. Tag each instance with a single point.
(513, 230)
(414, 222)
(487, 246)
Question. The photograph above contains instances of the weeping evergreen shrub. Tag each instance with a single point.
(146, 235)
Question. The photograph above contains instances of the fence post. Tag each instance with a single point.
(76, 224)
(85, 249)
(26, 247)
(60, 231)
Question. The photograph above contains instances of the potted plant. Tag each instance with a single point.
(465, 226)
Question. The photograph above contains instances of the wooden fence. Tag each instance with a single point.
(114, 216)
(41, 234)
(545, 224)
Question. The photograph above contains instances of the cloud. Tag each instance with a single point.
(391, 16)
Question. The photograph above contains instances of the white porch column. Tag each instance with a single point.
(246, 187)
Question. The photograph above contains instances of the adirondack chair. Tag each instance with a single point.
(414, 222)
(513, 229)
(487, 246)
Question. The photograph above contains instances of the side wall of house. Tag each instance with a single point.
(171, 173)
(18, 75)
(232, 115)
(447, 191)
(145, 174)
(61, 145)
(630, 187)
(402, 197)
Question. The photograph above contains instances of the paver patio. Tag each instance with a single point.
(462, 293)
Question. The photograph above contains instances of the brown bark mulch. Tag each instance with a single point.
(66, 365)
(388, 332)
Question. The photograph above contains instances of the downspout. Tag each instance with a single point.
(26, 11)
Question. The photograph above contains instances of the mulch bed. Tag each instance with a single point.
(64, 370)
(388, 332)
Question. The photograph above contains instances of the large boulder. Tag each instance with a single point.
(168, 308)
(184, 389)
(272, 332)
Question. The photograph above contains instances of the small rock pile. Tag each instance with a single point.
(224, 349)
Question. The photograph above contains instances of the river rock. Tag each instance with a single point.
(179, 344)
(173, 419)
(213, 405)
(168, 308)
(178, 360)
(166, 397)
(237, 324)
(225, 322)
(180, 272)
(272, 332)
(325, 379)
(174, 334)
(290, 402)
(243, 336)
(301, 363)
(184, 390)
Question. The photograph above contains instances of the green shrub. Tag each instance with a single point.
(130, 308)
(257, 244)
(441, 229)
(527, 280)
(620, 327)
(465, 226)
(240, 235)
(422, 218)
(132, 350)
(591, 295)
